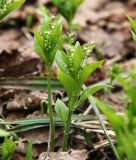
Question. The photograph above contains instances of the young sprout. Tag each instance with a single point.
(68, 8)
(133, 26)
(8, 148)
(7, 6)
(29, 150)
(46, 42)
(73, 72)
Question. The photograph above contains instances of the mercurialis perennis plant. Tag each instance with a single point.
(7, 6)
(73, 72)
(46, 42)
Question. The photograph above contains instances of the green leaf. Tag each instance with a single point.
(39, 45)
(6, 8)
(8, 148)
(133, 23)
(30, 124)
(90, 91)
(67, 82)
(29, 150)
(62, 111)
(88, 70)
(77, 57)
(133, 35)
(37, 83)
(56, 39)
(45, 120)
(62, 61)
(87, 136)
(67, 8)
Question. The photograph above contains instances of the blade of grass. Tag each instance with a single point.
(26, 127)
(99, 116)
(37, 83)
(29, 150)
(45, 120)
(104, 128)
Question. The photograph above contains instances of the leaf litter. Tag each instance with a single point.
(18, 59)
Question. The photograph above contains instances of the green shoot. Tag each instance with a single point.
(47, 41)
(68, 8)
(73, 72)
(29, 150)
(8, 148)
(133, 26)
(7, 6)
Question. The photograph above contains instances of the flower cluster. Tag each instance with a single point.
(48, 39)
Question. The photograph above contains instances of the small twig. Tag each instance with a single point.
(102, 144)
(110, 132)
(88, 110)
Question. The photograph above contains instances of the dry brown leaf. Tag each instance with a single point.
(71, 155)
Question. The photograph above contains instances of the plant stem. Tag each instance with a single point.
(70, 26)
(66, 132)
(51, 115)
(67, 125)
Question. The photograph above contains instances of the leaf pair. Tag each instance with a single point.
(48, 40)
(67, 8)
(7, 6)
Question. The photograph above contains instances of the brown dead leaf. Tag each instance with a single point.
(40, 135)
(30, 100)
(71, 155)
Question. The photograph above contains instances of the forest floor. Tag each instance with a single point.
(102, 21)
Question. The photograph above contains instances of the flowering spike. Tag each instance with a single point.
(7, 6)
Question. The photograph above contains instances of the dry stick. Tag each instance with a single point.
(102, 125)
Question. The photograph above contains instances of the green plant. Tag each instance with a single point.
(29, 150)
(46, 42)
(133, 26)
(8, 148)
(124, 124)
(73, 72)
(67, 8)
(7, 6)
